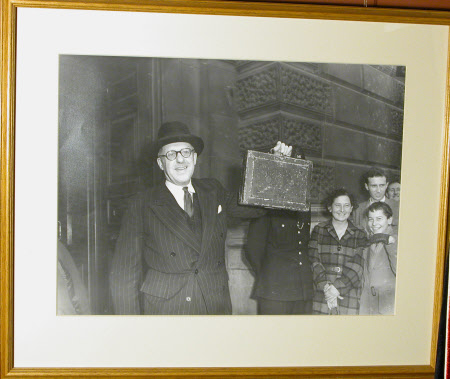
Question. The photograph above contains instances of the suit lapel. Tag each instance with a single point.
(168, 212)
(208, 204)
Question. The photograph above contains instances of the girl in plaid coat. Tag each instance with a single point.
(336, 253)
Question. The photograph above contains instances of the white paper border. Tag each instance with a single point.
(44, 340)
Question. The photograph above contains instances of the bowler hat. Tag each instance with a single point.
(176, 131)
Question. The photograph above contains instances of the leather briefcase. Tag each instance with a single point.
(275, 181)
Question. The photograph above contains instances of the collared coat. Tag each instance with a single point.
(277, 250)
(380, 268)
(339, 262)
(158, 256)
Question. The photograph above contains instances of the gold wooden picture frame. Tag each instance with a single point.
(436, 211)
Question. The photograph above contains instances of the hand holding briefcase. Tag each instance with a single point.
(274, 181)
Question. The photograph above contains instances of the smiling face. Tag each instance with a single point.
(341, 208)
(378, 222)
(393, 191)
(180, 170)
(376, 187)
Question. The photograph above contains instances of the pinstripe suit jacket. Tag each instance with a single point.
(158, 255)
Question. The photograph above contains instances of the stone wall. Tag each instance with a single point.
(346, 118)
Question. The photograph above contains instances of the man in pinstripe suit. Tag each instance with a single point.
(171, 248)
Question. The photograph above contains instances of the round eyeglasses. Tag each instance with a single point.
(171, 155)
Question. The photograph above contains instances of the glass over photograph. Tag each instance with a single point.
(226, 187)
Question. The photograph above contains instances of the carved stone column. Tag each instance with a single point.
(284, 102)
(346, 118)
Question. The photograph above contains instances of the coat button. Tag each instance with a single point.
(282, 225)
(299, 253)
(188, 298)
(299, 242)
(172, 254)
(300, 263)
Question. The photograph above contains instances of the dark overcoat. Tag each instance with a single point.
(277, 250)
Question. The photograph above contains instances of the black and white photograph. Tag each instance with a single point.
(227, 187)
(222, 188)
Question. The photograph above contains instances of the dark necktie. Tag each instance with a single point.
(188, 205)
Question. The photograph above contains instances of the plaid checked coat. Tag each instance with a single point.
(339, 262)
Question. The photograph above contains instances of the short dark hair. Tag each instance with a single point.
(374, 172)
(339, 192)
(379, 206)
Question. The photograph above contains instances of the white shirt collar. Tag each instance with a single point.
(373, 201)
(178, 193)
(171, 186)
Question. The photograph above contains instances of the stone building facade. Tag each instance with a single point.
(345, 117)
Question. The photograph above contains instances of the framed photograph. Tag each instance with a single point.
(85, 89)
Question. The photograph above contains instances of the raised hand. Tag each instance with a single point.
(281, 149)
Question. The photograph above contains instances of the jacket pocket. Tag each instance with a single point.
(163, 285)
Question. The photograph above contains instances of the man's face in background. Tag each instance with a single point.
(377, 187)
(393, 191)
